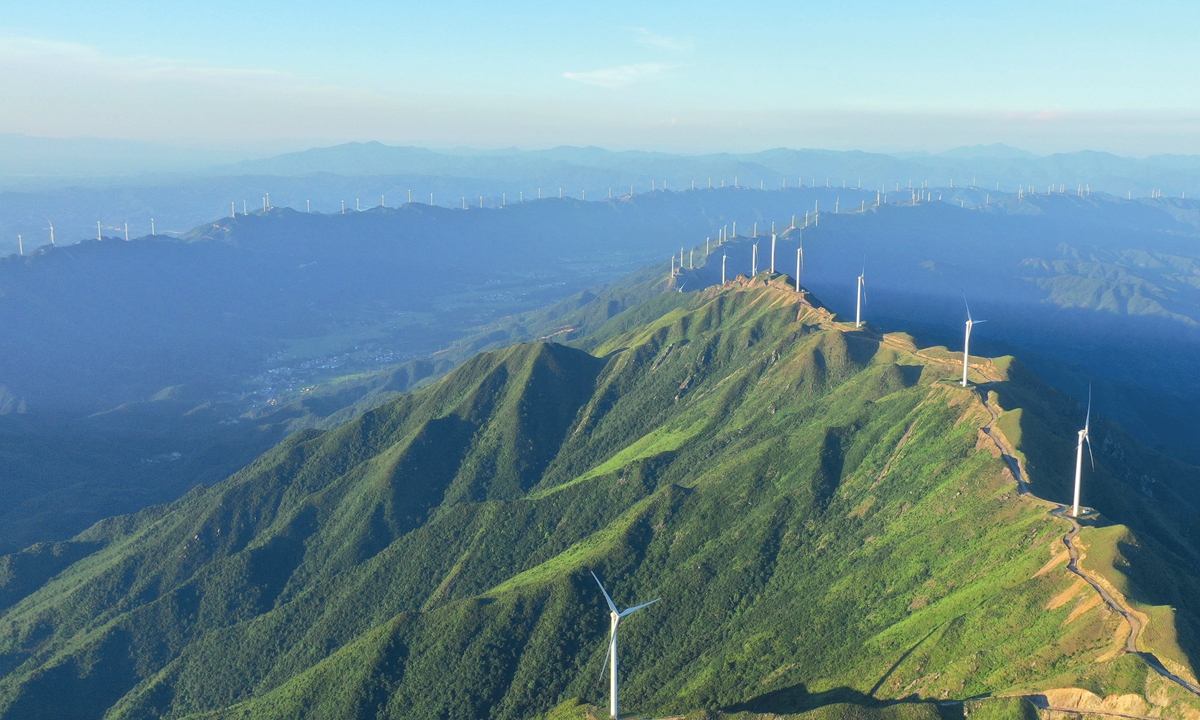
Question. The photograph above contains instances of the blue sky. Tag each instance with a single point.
(676, 76)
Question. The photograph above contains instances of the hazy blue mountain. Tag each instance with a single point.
(364, 172)
(196, 337)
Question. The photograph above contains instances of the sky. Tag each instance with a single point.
(674, 76)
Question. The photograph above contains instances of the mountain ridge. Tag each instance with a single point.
(811, 499)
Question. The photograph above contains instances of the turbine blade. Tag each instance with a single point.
(1088, 440)
(607, 655)
(635, 608)
(964, 294)
(1088, 422)
(607, 599)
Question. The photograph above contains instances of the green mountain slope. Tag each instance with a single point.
(818, 507)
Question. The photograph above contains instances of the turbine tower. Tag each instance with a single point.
(611, 658)
(772, 253)
(799, 265)
(1083, 437)
(51, 231)
(862, 281)
(723, 259)
(754, 260)
(20, 246)
(967, 341)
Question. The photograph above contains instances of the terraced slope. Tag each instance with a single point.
(817, 506)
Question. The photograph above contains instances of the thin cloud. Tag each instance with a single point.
(618, 77)
(664, 42)
(141, 68)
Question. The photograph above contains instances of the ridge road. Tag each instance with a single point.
(1136, 626)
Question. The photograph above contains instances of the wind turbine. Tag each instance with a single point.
(754, 260)
(20, 246)
(799, 265)
(967, 341)
(772, 253)
(1083, 437)
(611, 658)
(723, 259)
(51, 230)
(862, 281)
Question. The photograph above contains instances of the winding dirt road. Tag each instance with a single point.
(1060, 511)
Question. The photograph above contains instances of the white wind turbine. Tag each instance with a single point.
(799, 265)
(967, 341)
(862, 282)
(1083, 437)
(611, 658)
(772, 253)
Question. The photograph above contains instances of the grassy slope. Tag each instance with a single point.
(1147, 545)
(814, 507)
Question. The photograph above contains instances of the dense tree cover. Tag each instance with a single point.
(816, 505)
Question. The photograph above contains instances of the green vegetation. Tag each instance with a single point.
(828, 528)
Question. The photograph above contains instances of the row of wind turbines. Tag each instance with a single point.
(860, 297)
(919, 193)
(1083, 435)
(99, 234)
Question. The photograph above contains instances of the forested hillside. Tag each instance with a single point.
(828, 516)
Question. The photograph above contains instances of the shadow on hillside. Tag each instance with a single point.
(797, 699)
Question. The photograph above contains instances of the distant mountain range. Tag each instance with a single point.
(366, 173)
(212, 344)
(594, 168)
